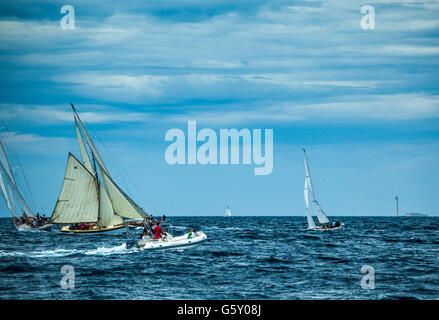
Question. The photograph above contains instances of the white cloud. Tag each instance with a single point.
(58, 114)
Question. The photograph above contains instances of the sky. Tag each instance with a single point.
(364, 103)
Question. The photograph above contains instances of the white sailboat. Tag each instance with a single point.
(90, 202)
(228, 212)
(15, 201)
(324, 223)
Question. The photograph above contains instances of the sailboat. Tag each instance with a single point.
(324, 223)
(15, 201)
(90, 202)
(396, 207)
(228, 213)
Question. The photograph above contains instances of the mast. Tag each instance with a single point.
(396, 207)
(89, 141)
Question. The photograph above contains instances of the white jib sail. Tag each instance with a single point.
(78, 201)
(84, 155)
(106, 213)
(7, 192)
(5, 195)
(311, 223)
(14, 190)
(228, 213)
(321, 216)
(122, 204)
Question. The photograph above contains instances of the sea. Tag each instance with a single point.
(243, 258)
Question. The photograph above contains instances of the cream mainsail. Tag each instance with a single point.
(84, 198)
(78, 200)
(321, 216)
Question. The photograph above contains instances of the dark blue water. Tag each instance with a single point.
(244, 258)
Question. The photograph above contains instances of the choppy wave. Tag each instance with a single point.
(243, 258)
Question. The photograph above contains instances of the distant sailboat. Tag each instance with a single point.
(228, 213)
(90, 201)
(12, 195)
(324, 223)
(396, 207)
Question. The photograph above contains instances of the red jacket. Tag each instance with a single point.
(158, 232)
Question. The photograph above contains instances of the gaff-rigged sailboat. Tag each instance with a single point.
(15, 201)
(324, 223)
(90, 201)
(228, 212)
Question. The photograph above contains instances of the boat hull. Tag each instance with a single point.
(26, 227)
(328, 229)
(177, 243)
(115, 229)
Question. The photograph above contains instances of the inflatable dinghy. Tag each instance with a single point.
(170, 242)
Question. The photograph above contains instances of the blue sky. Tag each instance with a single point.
(363, 102)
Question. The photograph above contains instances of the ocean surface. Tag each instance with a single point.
(243, 258)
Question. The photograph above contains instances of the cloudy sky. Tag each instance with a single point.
(364, 103)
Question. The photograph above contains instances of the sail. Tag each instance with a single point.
(78, 201)
(5, 195)
(228, 213)
(14, 191)
(106, 213)
(321, 216)
(90, 142)
(5, 162)
(7, 192)
(122, 204)
(84, 155)
(311, 223)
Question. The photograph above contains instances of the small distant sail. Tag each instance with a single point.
(228, 213)
(321, 216)
(396, 207)
(311, 223)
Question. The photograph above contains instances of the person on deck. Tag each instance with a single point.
(189, 235)
(158, 232)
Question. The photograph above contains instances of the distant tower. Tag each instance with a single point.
(396, 207)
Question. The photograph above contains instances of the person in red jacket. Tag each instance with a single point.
(158, 232)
